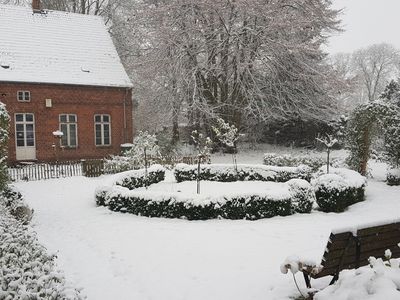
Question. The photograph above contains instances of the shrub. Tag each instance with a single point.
(298, 197)
(393, 177)
(194, 207)
(335, 192)
(314, 162)
(227, 173)
(137, 178)
(303, 196)
(26, 270)
(14, 202)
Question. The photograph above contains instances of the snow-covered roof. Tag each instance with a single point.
(57, 47)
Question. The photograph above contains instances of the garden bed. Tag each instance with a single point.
(234, 200)
(242, 172)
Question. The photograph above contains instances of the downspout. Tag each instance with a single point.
(125, 126)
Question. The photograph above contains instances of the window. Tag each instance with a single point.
(24, 130)
(24, 96)
(68, 126)
(102, 127)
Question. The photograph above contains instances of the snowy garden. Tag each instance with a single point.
(209, 231)
(220, 230)
(122, 255)
(261, 166)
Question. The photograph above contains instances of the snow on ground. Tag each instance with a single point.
(121, 256)
(218, 189)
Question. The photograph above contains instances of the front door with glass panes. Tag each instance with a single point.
(25, 136)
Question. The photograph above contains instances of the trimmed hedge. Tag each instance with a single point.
(299, 197)
(227, 173)
(393, 177)
(335, 192)
(135, 179)
(151, 204)
(27, 271)
(289, 160)
(302, 196)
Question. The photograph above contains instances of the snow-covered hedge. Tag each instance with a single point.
(227, 173)
(297, 197)
(135, 179)
(289, 160)
(26, 270)
(12, 199)
(339, 189)
(302, 195)
(393, 177)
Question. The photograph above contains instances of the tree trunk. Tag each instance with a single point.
(145, 169)
(365, 155)
(198, 174)
(83, 6)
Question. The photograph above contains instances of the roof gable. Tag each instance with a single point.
(57, 47)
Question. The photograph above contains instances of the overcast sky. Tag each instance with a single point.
(367, 22)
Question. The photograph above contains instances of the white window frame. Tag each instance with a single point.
(26, 96)
(102, 123)
(24, 123)
(68, 123)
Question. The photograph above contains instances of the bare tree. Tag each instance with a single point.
(241, 60)
(375, 66)
(15, 2)
(349, 87)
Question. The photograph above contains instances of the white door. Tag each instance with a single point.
(25, 136)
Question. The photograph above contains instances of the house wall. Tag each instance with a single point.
(85, 102)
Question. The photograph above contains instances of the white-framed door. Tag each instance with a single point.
(25, 136)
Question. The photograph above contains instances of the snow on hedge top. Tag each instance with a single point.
(120, 177)
(342, 177)
(226, 168)
(57, 47)
(279, 192)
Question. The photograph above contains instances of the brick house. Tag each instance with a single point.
(60, 72)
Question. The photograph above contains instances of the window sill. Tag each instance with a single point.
(103, 146)
(69, 147)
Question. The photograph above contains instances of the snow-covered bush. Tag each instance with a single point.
(302, 195)
(365, 124)
(297, 196)
(227, 134)
(250, 206)
(288, 160)
(118, 163)
(133, 180)
(379, 280)
(138, 178)
(339, 189)
(4, 126)
(393, 177)
(26, 270)
(140, 154)
(14, 202)
(227, 173)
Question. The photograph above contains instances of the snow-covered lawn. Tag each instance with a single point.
(122, 256)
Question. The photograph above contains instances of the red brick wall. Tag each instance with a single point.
(83, 101)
